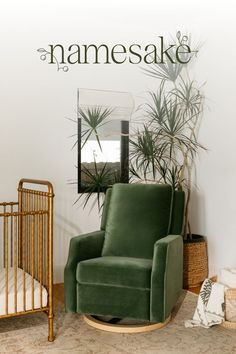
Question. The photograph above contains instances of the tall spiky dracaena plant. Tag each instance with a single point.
(165, 149)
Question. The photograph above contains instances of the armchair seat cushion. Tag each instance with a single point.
(115, 271)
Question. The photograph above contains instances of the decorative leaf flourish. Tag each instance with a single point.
(43, 57)
(41, 50)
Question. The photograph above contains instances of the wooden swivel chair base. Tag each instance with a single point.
(124, 328)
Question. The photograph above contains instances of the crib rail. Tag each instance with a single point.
(26, 233)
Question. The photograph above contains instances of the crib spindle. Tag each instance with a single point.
(4, 240)
(15, 263)
(6, 258)
(32, 258)
(41, 257)
(11, 240)
(23, 260)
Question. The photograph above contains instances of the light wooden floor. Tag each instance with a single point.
(58, 295)
(195, 290)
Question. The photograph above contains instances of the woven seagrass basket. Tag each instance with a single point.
(195, 263)
(230, 309)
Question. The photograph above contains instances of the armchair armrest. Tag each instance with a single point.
(166, 277)
(82, 247)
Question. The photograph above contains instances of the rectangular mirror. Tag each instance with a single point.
(103, 138)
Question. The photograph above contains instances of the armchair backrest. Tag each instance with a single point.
(135, 216)
(177, 215)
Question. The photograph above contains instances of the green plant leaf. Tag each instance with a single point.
(97, 181)
(93, 119)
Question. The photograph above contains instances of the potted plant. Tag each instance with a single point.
(164, 148)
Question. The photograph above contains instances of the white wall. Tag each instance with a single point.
(36, 99)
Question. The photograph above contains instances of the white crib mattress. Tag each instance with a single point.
(20, 298)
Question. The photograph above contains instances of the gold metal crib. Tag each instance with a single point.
(26, 252)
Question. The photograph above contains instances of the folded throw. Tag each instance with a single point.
(210, 306)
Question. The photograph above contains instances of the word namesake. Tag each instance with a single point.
(159, 53)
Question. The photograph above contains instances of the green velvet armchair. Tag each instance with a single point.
(131, 268)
